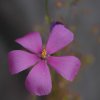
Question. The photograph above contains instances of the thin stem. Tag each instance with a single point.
(47, 16)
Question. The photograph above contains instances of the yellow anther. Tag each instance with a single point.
(44, 53)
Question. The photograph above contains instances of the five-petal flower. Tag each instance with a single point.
(38, 81)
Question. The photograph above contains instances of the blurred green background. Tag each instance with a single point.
(17, 17)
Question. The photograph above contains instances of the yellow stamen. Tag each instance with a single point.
(44, 53)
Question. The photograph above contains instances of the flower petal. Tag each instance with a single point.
(60, 37)
(38, 81)
(20, 60)
(67, 66)
(32, 41)
(55, 23)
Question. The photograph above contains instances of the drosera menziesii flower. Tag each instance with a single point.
(38, 81)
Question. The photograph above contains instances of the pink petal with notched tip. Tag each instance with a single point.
(60, 37)
(20, 60)
(32, 41)
(66, 66)
(38, 81)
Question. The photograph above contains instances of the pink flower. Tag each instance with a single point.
(38, 81)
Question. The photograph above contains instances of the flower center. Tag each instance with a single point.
(44, 53)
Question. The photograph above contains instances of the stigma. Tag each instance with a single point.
(44, 53)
